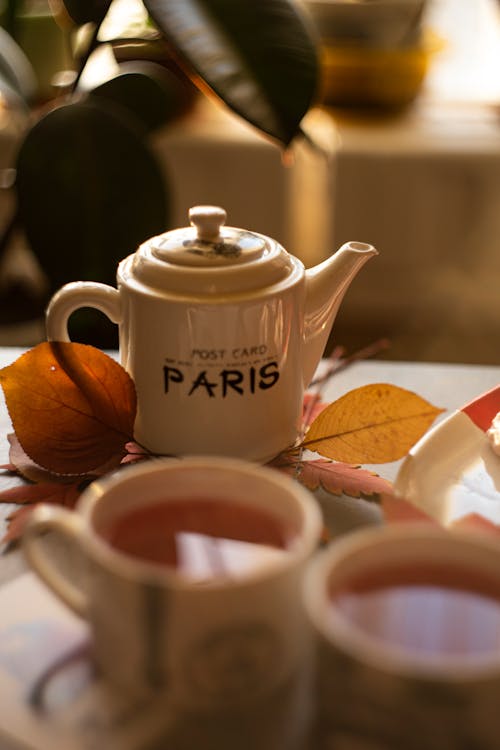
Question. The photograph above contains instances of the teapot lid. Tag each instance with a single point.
(211, 258)
(207, 242)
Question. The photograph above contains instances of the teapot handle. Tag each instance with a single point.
(78, 294)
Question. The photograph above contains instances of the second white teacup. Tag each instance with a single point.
(408, 625)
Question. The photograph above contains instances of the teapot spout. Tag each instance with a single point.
(326, 285)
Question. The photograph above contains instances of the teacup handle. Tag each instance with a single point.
(46, 518)
(78, 294)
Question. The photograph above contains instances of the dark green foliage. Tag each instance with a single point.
(85, 11)
(89, 191)
(256, 55)
(145, 90)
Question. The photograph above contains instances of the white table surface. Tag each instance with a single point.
(448, 386)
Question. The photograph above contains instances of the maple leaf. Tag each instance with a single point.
(16, 524)
(43, 486)
(311, 408)
(72, 407)
(46, 492)
(400, 510)
(334, 477)
(372, 424)
(339, 478)
(29, 495)
(474, 522)
(24, 466)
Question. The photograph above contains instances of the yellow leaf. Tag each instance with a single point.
(373, 424)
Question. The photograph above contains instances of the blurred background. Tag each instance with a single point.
(407, 157)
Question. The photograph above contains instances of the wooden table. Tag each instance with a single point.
(448, 386)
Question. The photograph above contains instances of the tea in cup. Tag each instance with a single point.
(408, 626)
(193, 579)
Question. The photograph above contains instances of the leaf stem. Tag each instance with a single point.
(339, 363)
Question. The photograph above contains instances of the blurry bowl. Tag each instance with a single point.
(357, 76)
(379, 23)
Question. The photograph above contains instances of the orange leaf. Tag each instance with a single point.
(25, 467)
(372, 424)
(72, 407)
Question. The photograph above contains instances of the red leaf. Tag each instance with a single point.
(17, 522)
(311, 407)
(30, 495)
(339, 478)
(135, 453)
(476, 522)
(47, 492)
(398, 509)
(72, 407)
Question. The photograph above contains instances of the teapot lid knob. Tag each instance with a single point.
(208, 221)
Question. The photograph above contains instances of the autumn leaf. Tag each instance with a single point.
(44, 486)
(399, 510)
(373, 424)
(28, 496)
(46, 492)
(474, 522)
(339, 478)
(135, 453)
(332, 476)
(22, 465)
(17, 521)
(312, 406)
(72, 407)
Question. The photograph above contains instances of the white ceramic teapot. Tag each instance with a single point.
(221, 330)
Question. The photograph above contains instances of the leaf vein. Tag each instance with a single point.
(356, 430)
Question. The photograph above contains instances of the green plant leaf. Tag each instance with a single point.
(15, 68)
(89, 191)
(147, 90)
(86, 11)
(9, 14)
(258, 56)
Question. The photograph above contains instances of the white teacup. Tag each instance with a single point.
(212, 638)
(408, 626)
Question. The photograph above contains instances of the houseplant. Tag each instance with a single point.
(88, 188)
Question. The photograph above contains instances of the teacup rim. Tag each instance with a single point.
(123, 564)
(377, 654)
